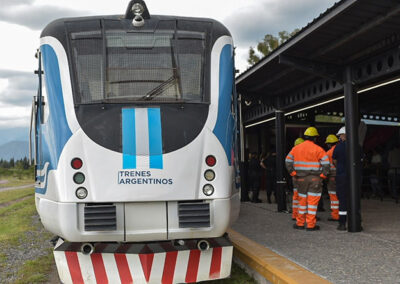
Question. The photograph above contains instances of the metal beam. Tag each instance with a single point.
(317, 68)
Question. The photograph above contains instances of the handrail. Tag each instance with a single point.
(33, 118)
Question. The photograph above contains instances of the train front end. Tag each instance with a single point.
(136, 146)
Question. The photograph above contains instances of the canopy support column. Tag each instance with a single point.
(353, 161)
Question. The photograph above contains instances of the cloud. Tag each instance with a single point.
(270, 17)
(19, 88)
(258, 18)
(35, 17)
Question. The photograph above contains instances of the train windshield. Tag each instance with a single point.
(157, 66)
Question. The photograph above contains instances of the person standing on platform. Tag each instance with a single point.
(331, 141)
(308, 163)
(269, 164)
(295, 199)
(339, 160)
(254, 174)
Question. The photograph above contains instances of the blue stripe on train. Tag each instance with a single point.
(128, 138)
(155, 138)
(224, 126)
(129, 157)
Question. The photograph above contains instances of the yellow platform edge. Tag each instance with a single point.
(275, 268)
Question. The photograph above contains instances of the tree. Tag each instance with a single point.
(269, 43)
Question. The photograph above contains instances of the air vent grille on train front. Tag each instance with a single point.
(193, 214)
(100, 217)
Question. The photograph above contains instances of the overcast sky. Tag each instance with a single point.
(21, 22)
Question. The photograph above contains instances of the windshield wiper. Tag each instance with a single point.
(159, 89)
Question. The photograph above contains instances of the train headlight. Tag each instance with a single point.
(209, 175)
(208, 189)
(79, 178)
(81, 193)
(137, 9)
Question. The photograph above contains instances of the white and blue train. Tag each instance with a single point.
(136, 146)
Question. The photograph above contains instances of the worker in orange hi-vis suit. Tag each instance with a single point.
(331, 141)
(295, 201)
(308, 163)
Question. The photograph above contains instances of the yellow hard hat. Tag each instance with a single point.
(311, 131)
(331, 138)
(298, 141)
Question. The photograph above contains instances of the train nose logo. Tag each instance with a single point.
(141, 138)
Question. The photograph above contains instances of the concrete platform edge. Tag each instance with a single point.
(272, 266)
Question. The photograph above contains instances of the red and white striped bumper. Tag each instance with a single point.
(159, 262)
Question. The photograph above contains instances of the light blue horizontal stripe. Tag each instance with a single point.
(291, 156)
(302, 212)
(332, 192)
(307, 168)
(314, 194)
(313, 206)
(324, 157)
(334, 207)
(303, 207)
(296, 201)
(343, 213)
(306, 163)
(302, 195)
(312, 212)
(288, 161)
(295, 189)
(325, 163)
(334, 202)
(295, 206)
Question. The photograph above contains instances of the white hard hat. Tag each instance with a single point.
(341, 131)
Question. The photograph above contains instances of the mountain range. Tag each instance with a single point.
(14, 149)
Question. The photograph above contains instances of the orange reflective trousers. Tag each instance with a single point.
(295, 201)
(331, 186)
(309, 190)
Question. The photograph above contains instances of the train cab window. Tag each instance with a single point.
(155, 66)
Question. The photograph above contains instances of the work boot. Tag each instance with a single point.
(333, 220)
(315, 228)
(298, 227)
(341, 227)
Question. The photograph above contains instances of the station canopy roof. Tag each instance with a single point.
(363, 35)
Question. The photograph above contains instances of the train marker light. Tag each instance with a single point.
(76, 163)
(81, 193)
(209, 175)
(208, 189)
(79, 178)
(137, 9)
(211, 160)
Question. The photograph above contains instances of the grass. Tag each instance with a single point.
(11, 195)
(238, 276)
(15, 220)
(16, 177)
(37, 270)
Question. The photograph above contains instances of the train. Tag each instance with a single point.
(135, 139)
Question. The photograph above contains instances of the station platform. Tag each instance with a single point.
(266, 241)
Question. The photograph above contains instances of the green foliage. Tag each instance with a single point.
(19, 164)
(37, 270)
(267, 45)
(15, 220)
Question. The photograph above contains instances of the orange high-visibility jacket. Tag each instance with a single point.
(332, 171)
(306, 159)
